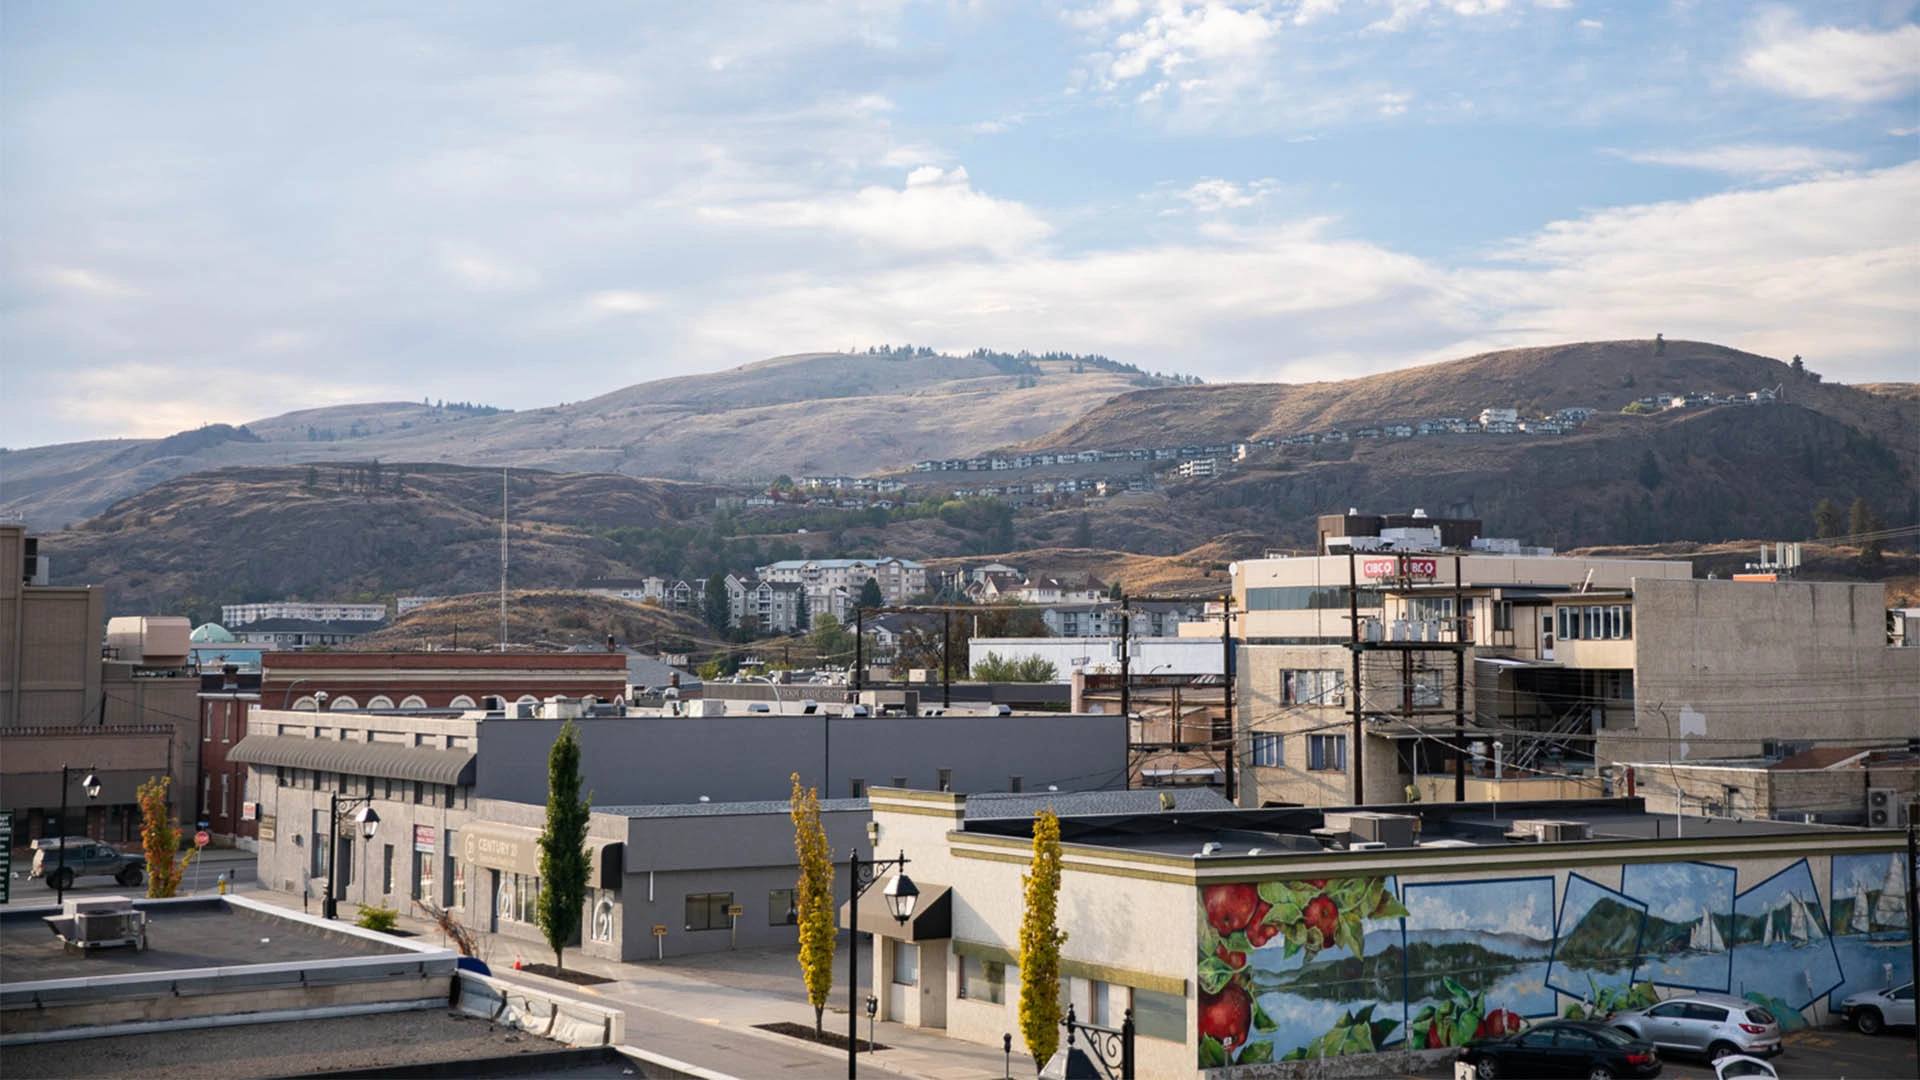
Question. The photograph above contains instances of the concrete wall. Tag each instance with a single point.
(1263, 709)
(1746, 791)
(1725, 665)
(737, 758)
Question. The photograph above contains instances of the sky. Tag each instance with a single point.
(222, 212)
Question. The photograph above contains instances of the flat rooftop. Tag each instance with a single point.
(292, 1048)
(205, 933)
(1276, 832)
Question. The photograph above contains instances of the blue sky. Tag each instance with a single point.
(222, 212)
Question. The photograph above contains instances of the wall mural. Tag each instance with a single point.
(1290, 970)
(1867, 909)
(1687, 943)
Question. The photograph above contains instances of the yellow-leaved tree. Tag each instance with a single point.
(813, 898)
(1040, 941)
(160, 838)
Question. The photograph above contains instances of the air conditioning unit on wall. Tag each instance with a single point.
(1886, 809)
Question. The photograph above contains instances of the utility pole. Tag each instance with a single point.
(1226, 691)
(1126, 648)
(1461, 641)
(503, 558)
(1358, 759)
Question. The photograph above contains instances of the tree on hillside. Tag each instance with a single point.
(1826, 519)
(802, 612)
(160, 839)
(870, 594)
(831, 642)
(813, 898)
(1083, 532)
(1040, 941)
(563, 846)
(1862, 520)
(1649, 471)
(714, 607)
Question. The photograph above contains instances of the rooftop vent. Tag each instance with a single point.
(1548, 831)
(1362, 826)
(99, 922)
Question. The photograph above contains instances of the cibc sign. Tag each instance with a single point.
(1392, 567)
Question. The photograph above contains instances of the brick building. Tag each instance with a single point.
(435, 680)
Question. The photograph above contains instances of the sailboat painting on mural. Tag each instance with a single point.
(1689, 923)
(1782, 954)
(1869, 919)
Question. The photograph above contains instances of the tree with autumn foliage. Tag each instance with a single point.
(160, 838)
(813, 898)
(1040, 941)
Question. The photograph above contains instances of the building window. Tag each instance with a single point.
(423, 875)
(906, 963)
(1325, 686)
(783, 908)
(226, 795)
(419, 792)
(708, 911)
(519, 897)
(1309, 598)
(1426, 689)
(206, 725)
(1159, 1016)
(857, 788)
(983, 980)
(386, 870)
(1016, 783)
(457, 871)
(1503, 615)
(946, 779)
(446, 796)
(1327, 753)
(1267, 750)
(899, 781)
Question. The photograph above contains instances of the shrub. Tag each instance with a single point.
(376, 917)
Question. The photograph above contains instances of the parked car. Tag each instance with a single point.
(1874, 1010)
(1575, 1048)
(1714, 1025)
(84, 858)
(1742, 1067)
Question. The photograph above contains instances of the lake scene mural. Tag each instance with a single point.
(1784, 955)
(1599, 943)
(1867, 911)
(1688, 940)
(1476, 958)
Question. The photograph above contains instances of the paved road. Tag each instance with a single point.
(1828, 1054)
(28, 890)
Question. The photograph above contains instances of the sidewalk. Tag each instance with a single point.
(703, 1009)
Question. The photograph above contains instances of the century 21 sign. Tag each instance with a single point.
(1391, 567)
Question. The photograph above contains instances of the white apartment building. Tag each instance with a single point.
(232, 615)
(899, 579)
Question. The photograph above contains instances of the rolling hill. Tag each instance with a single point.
(826, 413)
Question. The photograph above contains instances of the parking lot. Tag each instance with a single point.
(1827, 1054)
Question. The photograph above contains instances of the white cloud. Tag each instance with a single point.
(486, 273)
(146, 400)
(1592, 24)
(1829, 63)
(1394, 103)
(937, 210)
(78, 279)
(1756, 160)
(1212, 196)
(622, 302)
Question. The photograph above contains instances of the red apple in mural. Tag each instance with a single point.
(1230, 907)
(1227, 1016)
(1322, 916)
(1233, 959)
(1258, 932)
(1317, 882)
(1499, 1023)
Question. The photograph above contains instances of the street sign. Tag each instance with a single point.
(659, 929)
(736, 910)
(202, 839)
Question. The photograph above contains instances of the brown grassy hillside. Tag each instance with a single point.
(540, 620)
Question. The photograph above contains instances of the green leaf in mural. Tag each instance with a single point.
(1387, 907)
(1214, 974)
(1255, 1053)
(1212, 1054)
(1261, 1021)
(1274, 891)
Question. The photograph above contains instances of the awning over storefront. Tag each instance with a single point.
(357, 758)
(932, 916)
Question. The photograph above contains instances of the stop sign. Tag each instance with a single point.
(201, 838)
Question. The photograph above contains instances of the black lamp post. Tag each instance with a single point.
(92, 784)
(369, 822)
(902, 895)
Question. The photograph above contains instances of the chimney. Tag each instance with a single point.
(229, 676)
(610, 643)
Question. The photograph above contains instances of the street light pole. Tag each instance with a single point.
(369, 822)
(902, 895)
(92, 784)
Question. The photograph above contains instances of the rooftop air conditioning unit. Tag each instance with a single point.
(1366, 845)
(1546, 831)
(99, 922)
(1885, 810)
(1390, 830)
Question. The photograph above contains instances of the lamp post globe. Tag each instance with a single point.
(91, 785)
(369, 821)
(902, 895)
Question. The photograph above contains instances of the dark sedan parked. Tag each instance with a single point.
(1562, 1048)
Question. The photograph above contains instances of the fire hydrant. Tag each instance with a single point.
(223, 883)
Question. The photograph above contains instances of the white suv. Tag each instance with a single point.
(1877, 1009)
(1711, 1024)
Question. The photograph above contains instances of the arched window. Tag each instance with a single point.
(305, 703)
(341, 704)
(527, 699)
(380, 701)
(461, 702)
(414, 701)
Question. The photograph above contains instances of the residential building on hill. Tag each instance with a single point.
(833, 585)
(288, 634)
(233, 615)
